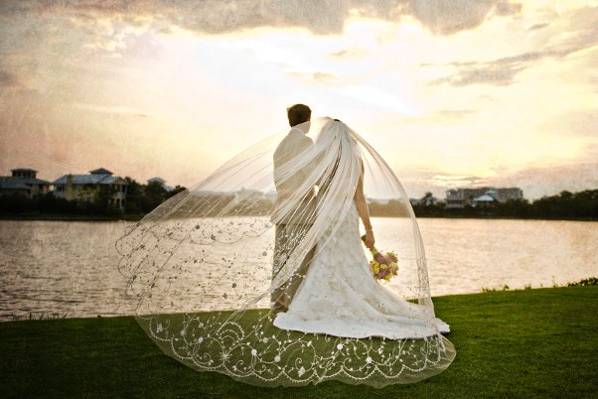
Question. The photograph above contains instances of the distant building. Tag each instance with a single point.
(484, 200)
(87, 187)
(23, 181)
(161, 182)
(461, 197)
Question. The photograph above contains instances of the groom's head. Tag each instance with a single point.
(298, 113)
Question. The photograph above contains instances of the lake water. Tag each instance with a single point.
(55, 268)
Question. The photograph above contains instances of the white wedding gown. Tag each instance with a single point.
(340, 297)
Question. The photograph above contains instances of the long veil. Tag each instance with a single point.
(203, 269)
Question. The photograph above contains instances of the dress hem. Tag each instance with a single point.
(344, 329)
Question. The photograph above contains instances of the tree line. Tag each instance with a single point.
(582, 205)
(140, 199)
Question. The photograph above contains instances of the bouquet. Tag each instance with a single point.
(383, 266)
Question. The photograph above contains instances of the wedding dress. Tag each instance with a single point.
(201, 269)
(339, 296)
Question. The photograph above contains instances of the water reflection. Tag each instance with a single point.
(69, 268)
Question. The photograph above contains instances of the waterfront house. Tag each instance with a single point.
(23, 181)
(87, 187)
(461, 197)
(485, 199)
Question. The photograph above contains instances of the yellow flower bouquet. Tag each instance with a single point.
(383, 266)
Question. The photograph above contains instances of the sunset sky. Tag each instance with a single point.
(451, 93)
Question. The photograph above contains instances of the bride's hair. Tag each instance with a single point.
(298, 113)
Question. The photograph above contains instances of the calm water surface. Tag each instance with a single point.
(55, 268)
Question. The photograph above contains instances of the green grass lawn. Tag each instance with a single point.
(524, 344)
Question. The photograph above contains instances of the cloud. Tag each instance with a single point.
(417, 182)
(440, 117)
(501, 71)
(319, 16)
(348, 53)
(445, 180)
(111, 109)
(537, 26)
(453, 113)
(535, 181)
(582, 34)
(539, 181)
(323, 76)
(317, 76)
(451, 16)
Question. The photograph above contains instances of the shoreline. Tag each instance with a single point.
(134, 218)
(70, 218)
(41, 315)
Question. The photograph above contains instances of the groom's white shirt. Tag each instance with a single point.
(294, 143)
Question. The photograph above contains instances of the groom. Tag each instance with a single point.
(290, 230)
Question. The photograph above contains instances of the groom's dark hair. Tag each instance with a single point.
(298, 113)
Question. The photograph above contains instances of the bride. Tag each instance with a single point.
(339, 295)
(258, 271)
